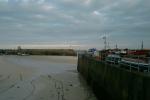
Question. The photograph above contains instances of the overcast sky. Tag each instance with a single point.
(74, 23)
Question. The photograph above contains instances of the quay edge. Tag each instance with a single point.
(113, 83)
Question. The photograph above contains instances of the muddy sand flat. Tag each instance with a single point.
(41, 78)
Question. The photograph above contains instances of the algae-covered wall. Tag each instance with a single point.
(112, 82)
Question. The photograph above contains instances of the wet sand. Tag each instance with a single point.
(42, 78)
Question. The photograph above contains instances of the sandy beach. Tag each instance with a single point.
(42, 78)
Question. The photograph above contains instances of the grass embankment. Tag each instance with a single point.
(59, 52)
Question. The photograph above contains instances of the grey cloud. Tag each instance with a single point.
(48, 21)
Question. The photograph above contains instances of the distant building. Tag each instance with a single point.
(145, 53)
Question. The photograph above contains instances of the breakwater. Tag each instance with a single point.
(111, 82)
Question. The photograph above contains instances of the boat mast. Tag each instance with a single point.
(142, 45)
(105, 42)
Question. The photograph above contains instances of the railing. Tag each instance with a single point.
(135, 66)
(131, 66)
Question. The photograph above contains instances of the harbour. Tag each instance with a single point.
(42, 78)
(74, 50)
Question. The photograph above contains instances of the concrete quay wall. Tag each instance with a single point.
(110, 82)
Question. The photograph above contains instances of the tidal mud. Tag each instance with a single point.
(42, 78)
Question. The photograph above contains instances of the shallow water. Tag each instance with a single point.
(42, 78)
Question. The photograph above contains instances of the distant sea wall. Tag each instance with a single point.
(113, 83)
(59, 52)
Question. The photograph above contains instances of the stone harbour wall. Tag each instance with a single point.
(110, 82)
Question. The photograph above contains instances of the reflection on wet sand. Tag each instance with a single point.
(41, 78)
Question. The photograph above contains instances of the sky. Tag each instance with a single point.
(77, 24)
